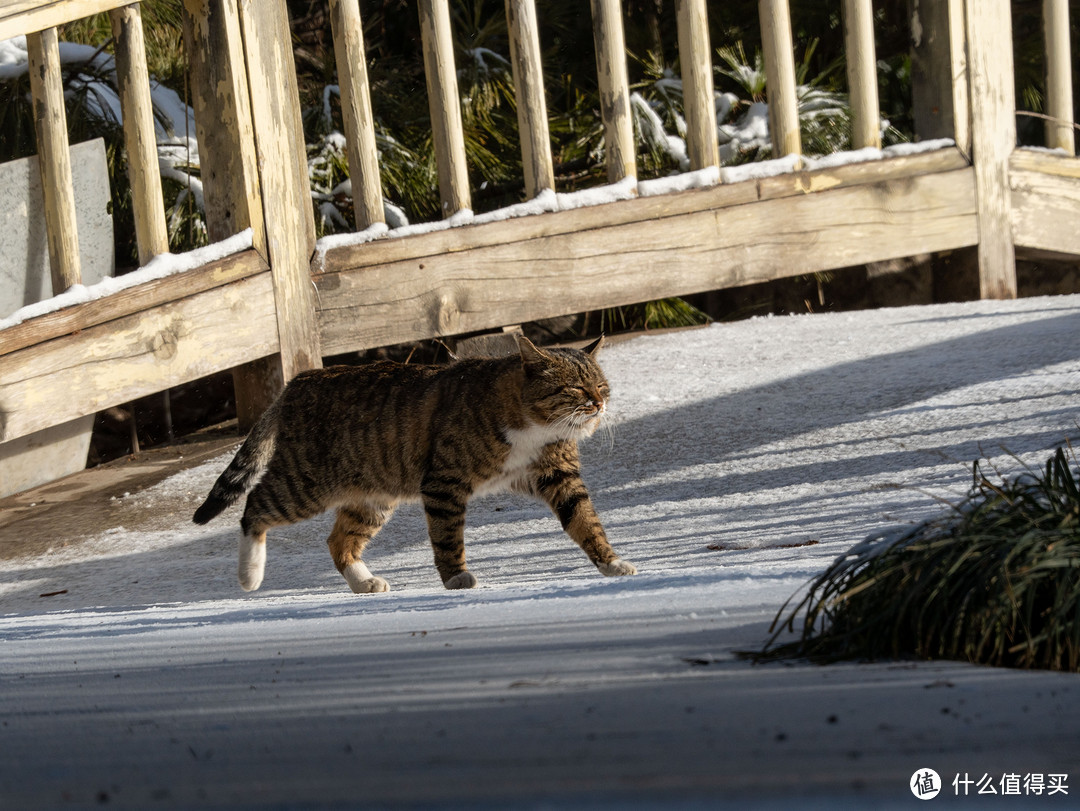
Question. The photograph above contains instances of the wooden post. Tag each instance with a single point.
(862, 74)
(279, 145)
(356, 112)
(940, 106)
(140, 139)
(445, 106)
(529, 92)
(610, 45)
(223, 124)
(993, 139)
(227, 163)
(780, 77)
(54, 158)
(695, 61)
(1060, 133)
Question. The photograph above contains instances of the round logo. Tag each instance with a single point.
(925, 784)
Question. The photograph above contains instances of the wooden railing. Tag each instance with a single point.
(270, 312)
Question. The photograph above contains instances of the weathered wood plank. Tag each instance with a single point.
(359, 122)
(27, 16)
(940, 105)
(219, 90)
(444, 105)
(279, 144)
(54, 158)
(638, 210)
(610, 43)
(112, 363)
(131, 301)
(140, 139)
(1045, 201)
(695, 66)
(776, 43)
(1059, 93)
(529, 91)
(680, 254)
(861, 57)
(993, 139)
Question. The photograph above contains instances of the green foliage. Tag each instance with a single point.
(660, 314)
(996, 581)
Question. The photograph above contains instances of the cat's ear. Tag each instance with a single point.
(529, 353)
(594, 347)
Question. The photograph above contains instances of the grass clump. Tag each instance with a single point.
(995, 581)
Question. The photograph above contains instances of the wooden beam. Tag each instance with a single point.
(363, 154)
(862, 73)
(780, 84)
(140, 139)
(444, 105)
(695, 64)
(54, 158)
(1045, 201)
(610, 43)
(27, 16)
(993, 139)
(529, 92)
(131, 301)
(640, 210)
(228, 160)
(108, 364)
(290, 222)
(1060, 133)
(619, 264)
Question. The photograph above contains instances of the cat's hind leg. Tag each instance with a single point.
(268, 505)
(356, 525)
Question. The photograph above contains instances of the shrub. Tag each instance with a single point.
(996, 581)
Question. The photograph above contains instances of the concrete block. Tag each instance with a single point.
(24, 260)
(24, 279)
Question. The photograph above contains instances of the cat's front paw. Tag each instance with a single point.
(616, 568)
(462, 580)
(362, 581)
(373, 585)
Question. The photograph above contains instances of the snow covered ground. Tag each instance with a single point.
(742, 459)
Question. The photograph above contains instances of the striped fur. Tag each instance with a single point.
(361, 439)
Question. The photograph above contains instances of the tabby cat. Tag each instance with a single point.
(364, 438)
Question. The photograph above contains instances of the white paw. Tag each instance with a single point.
(362, 581)
(252, 563)
(616, 568)
(462, 580)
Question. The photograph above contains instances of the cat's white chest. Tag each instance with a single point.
(525, 446)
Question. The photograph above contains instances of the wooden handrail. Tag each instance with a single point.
(140, 139)
(529, 88)
(1059, 95)
(862, 73)
(614, 89)
(54, 158)
(780, 70)
(359, 123)
(695, 61)
(27, 16)
(445, 106)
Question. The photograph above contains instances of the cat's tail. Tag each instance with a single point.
(252, 458)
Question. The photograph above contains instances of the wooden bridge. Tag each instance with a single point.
(281, 306)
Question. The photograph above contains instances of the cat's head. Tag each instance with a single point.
(564, 388)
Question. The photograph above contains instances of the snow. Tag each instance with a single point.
(166, 264)
(742, 459)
